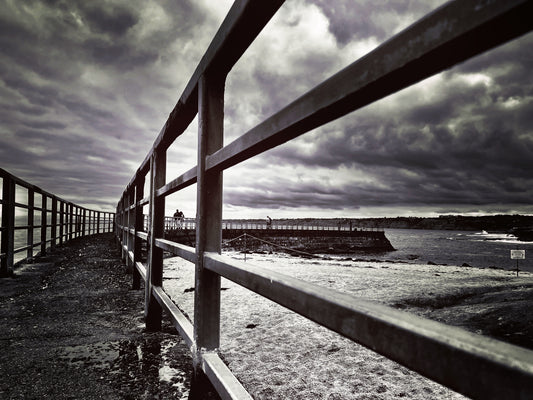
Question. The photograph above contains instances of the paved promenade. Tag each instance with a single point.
(71, 328)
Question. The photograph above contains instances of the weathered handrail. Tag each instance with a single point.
(59, 221)
(454, 32)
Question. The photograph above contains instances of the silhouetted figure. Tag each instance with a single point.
(178, 218)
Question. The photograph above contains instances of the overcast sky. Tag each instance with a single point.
(86, 86)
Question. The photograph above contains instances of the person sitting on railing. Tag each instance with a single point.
(269, 222)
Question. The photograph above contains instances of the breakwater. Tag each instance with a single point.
(315, 241)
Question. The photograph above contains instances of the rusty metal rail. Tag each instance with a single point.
(451, 34)
(58, 220)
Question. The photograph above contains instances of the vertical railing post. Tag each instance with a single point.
(31, 223)
(208, 220)
(79, 222)
(98, 222)
(70, 221)
(8, 225)
(75, 230)
(43, 223)
(84, 222)
(89, 222)
(139, 226)
(74, 221)
(53, 230)
(117, 222)
(123, 240)
(154, 273)
(61, 221)
(130, 199)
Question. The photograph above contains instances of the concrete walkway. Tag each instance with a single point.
(71, 328)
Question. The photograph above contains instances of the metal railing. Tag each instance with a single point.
(467, 363)
(57, 221)
(189, 223)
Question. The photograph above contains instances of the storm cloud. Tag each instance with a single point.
(85, 88)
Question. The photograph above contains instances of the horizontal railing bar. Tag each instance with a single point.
(431, 348)
(227, 386)
(454, 32)
(186, 252)
(19, 227)
(36, 244)
(181, 182)
(244, 21)
(37, 190)
(19, 249)
(180, 321)
(142, 270)
(142, 235)
(144, 201)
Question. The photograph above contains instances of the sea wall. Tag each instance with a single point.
(367, 241)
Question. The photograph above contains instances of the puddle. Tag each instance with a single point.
(96, 355)
(156, 366)
(177, 377)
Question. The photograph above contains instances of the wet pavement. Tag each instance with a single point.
(72, 328)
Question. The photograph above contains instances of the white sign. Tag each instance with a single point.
(518, 254)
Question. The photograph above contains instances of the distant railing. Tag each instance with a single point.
(470, 364)
(189, 223)
(56, 222)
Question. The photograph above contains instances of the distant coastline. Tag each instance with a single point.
(492, 223)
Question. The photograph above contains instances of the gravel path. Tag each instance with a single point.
(73, 329)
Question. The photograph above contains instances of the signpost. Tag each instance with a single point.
(518, 255)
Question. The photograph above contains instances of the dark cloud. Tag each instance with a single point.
(86, 86)
(471, 142)
(114, 20)
(352, 20)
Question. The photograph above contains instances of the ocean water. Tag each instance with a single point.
(453, 248)
(478, 249)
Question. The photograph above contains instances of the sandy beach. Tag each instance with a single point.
(277, 354)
